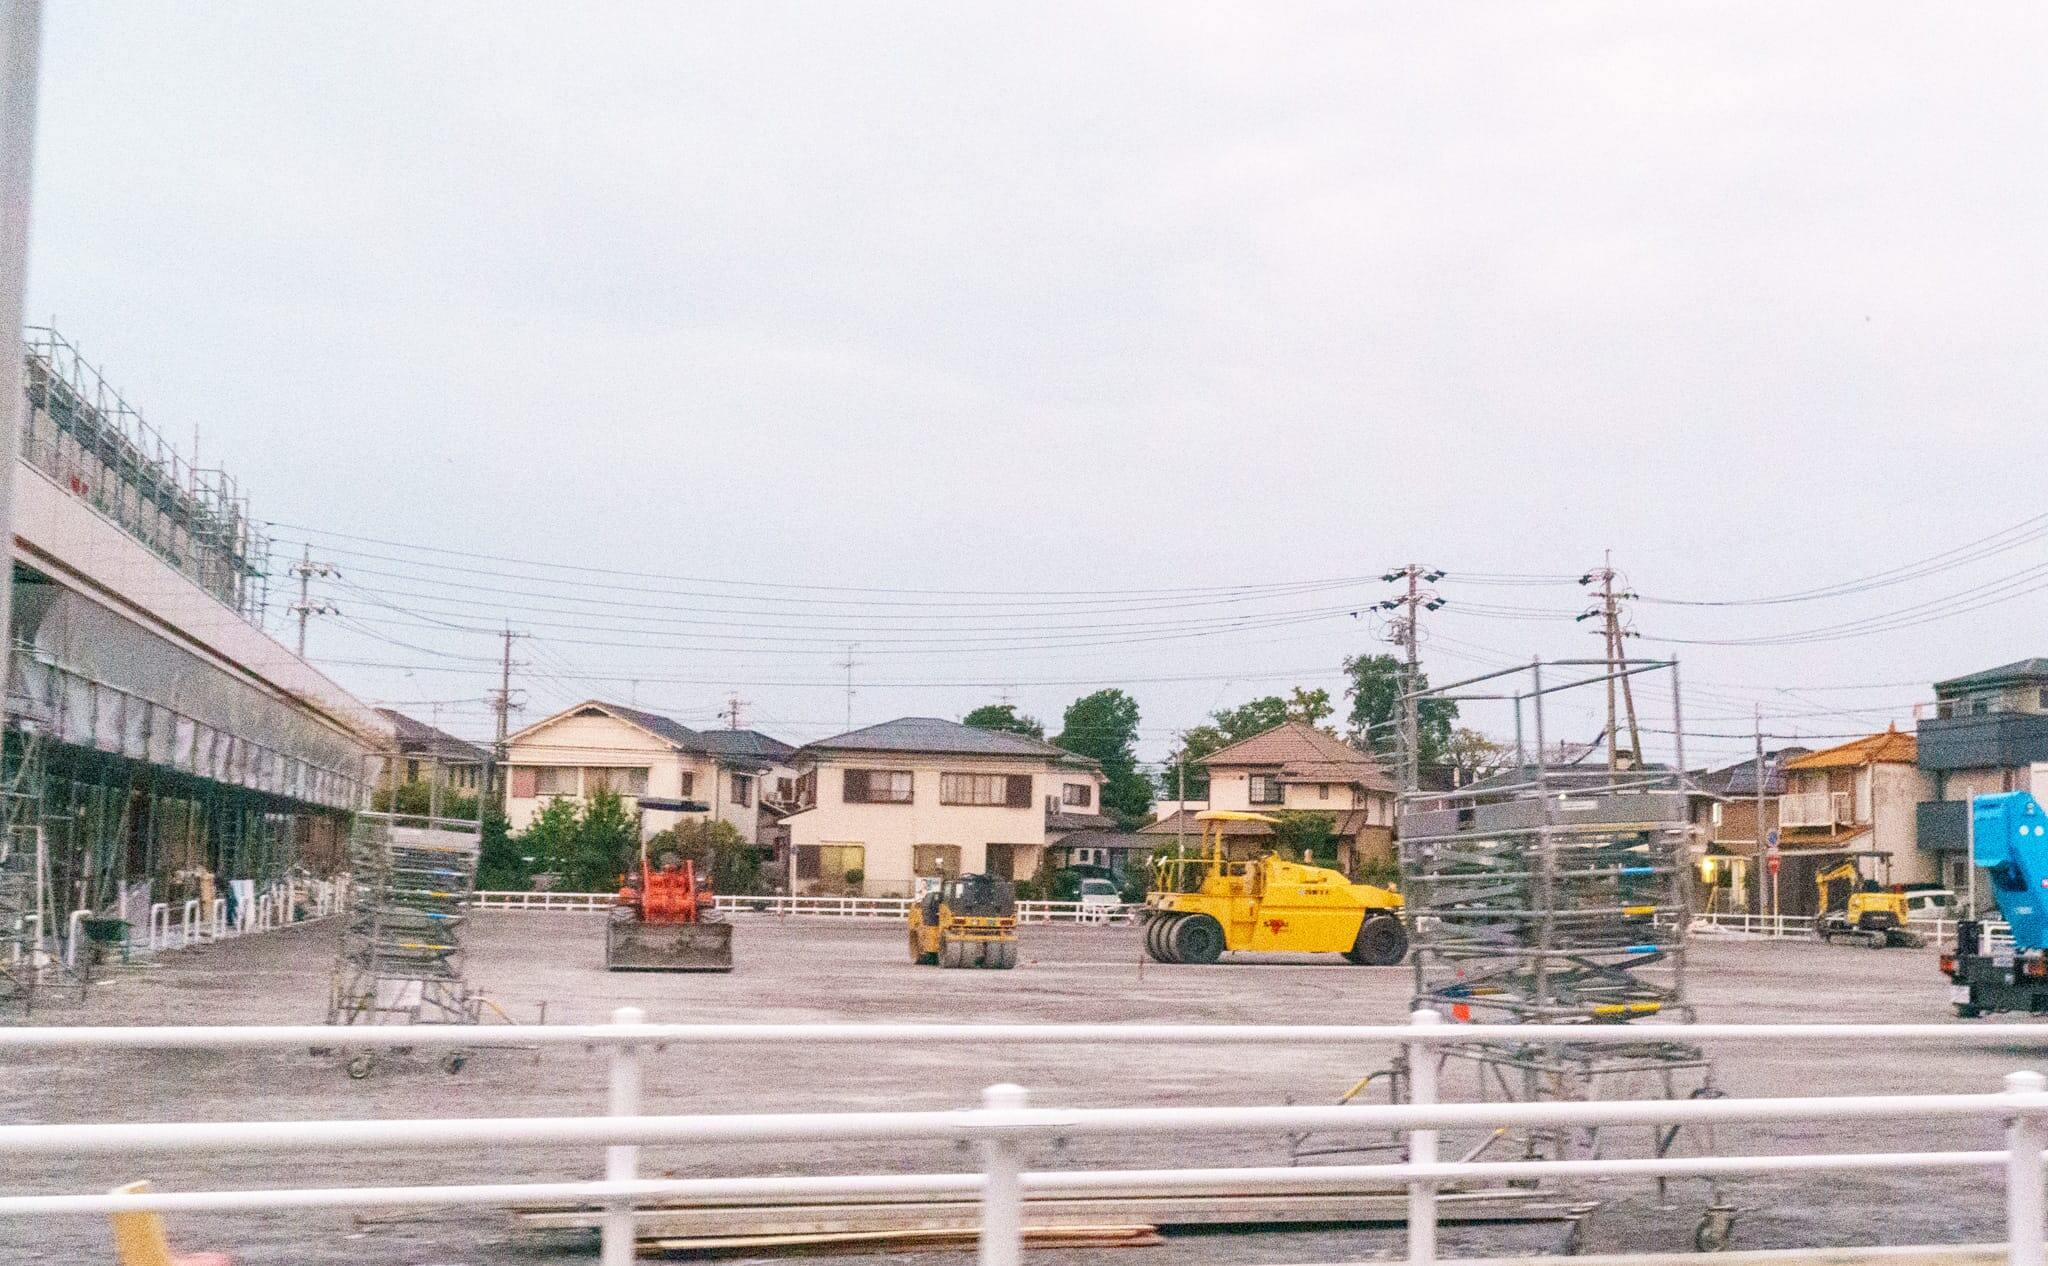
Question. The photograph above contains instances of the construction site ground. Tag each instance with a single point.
(820, 970)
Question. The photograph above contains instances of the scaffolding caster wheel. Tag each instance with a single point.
(1715, 1231)
(359, 1065)
(1574, 1237)
(452, 1062)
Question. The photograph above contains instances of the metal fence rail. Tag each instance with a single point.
(1004, 1122)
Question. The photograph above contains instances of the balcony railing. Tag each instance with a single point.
(1816, 808)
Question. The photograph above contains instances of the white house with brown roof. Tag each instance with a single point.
(664, 770)
(921, 796)
(1859, 797)
(1296, 766)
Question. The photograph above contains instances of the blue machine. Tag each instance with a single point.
(2009, 841)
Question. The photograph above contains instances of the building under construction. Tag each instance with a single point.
(160, 746)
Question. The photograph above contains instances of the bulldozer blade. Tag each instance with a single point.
(668, 947)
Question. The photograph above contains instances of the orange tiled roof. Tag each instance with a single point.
(1890, 747)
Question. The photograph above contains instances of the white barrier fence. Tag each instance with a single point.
(281, 905)
(1004, 1123)
(896, 908)
(1801, 927)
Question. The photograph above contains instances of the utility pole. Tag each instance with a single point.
(1765, 853)
(733, 704)
(20, 41)
(1405, 631)
(305, 569)
(501, 702)
(848, 665)
(1612, 633)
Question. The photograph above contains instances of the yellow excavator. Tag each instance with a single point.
(1201, 906)
(1854, 906)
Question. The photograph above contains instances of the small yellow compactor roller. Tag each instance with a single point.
(1202, 906)
(967, 921)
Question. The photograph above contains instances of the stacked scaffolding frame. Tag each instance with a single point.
(1553, 894)
(401, 959)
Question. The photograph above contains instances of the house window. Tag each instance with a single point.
(743, 789)
(412, 771)
(842, 867)
(1322, 791)
(785, 789)
(877, 786)
(2044, 697)
(1265, 789)
(554, 780)
(1716, 814)
(935, 860)
(619, 781)
(1078, 795)
(686, 784)
(807, 788)
(1003, 790)
(524, 782)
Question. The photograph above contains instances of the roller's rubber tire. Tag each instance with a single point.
(980, 953)
(1003, 955)
(1197, 938)
(1159, 937)
(1382, 942)
(952, 954)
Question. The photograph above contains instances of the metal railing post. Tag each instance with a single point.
(1002, 1191)
(622, 1160)
(2026, 1134)
(73, 930)
(1422, 1143)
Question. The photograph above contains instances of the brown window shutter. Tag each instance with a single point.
(688, 784)
(807, 861)
(1017, 795)
(856, 786)
(525, 782)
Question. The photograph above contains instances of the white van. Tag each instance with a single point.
(1930, 905)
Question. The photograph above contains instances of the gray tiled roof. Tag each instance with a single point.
(416, 736)
(1739, 779)
(665, 727)
(745, 745)
(938, 735)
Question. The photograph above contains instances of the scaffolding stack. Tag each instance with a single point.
(1557, 893)
(401, 958)
(21, 876)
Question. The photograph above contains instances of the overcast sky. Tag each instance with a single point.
(1058, 298)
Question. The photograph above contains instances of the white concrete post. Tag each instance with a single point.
(189, 924)
(1422, 1143)
(622, 1160)
(2026, 1134)
(72, 934)
(159, 926)
(1002, 1192)
(220, 917)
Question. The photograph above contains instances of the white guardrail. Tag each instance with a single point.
(825, 907)
(1800, 927)
(194, 923)
(1004, 1122)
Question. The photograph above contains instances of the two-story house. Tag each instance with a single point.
(1729, 873)
(665, 770)
(1858, 797)
(1296, 766)
(922, 796)
(426, 754)
(1989, 734)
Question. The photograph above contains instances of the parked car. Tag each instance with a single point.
(1930, 905)
(1100, 898)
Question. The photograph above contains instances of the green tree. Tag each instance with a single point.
(1375, 694)
(1305, 835)
(1004, 716)
(588, 847)
(1472, 756)
(416, 799)
(502, 864)
(718, 851)
(1104, 727)
(1230, 725)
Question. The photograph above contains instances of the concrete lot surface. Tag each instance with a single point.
(814, 970)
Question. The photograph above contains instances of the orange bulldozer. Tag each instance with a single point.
(665, 921)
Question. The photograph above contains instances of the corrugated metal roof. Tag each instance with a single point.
(941, 737)
(1890, 747)
(2033, 669)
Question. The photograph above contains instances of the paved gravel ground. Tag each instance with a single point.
(802, 970)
